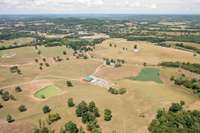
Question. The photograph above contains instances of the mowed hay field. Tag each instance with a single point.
(132, 112)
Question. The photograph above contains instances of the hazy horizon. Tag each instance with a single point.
(26, 7)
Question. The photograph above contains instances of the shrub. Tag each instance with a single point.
(107, 115)
(10, 119)
(46, 109)
(69, 84)
(70, 102)
(5, 96)
(42, 128)
(53, 117)
(1, 106)
(22, 108)
(175, 107)
(18, 89)
(122, 91)
(13, 98)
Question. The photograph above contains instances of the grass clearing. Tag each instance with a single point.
(47, 92)
(149, 74)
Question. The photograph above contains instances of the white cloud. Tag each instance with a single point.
(100, 6)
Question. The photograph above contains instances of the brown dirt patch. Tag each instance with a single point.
(111, 73)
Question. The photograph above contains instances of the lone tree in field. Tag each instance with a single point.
(64, 52)
(36, 60)
(107, 115)
(69, 83)
(5, 96)
(1, 106)
(9, 118)
(18, 89)
(46, 109)
(47, 64)
(70, 102)
(44, 59)
(22, 108)
(39, 52)
(135, 46)
(41, 68)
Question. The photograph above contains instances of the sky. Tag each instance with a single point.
(99, 6)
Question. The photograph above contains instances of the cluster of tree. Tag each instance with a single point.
(112, 45)
(7, 35)
(54, 42)
(89, 113)
(115, 91)
(192, 67)
(53, 117)
(176, 119)
(82, 44)
(70, 127)
(194, 49)
(43, 63)
(115, 63)
(6, 96)
(80, 54)
(15, 69)
(192, 84)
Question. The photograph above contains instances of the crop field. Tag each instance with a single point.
(149, 74)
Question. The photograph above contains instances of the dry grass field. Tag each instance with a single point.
(132, 112)
(148, 53)
(21, 41)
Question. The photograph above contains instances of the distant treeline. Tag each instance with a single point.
(188, 47)
(11, 35)
(145, 38)
(186, 38)
(192, 67)
(159, 39)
